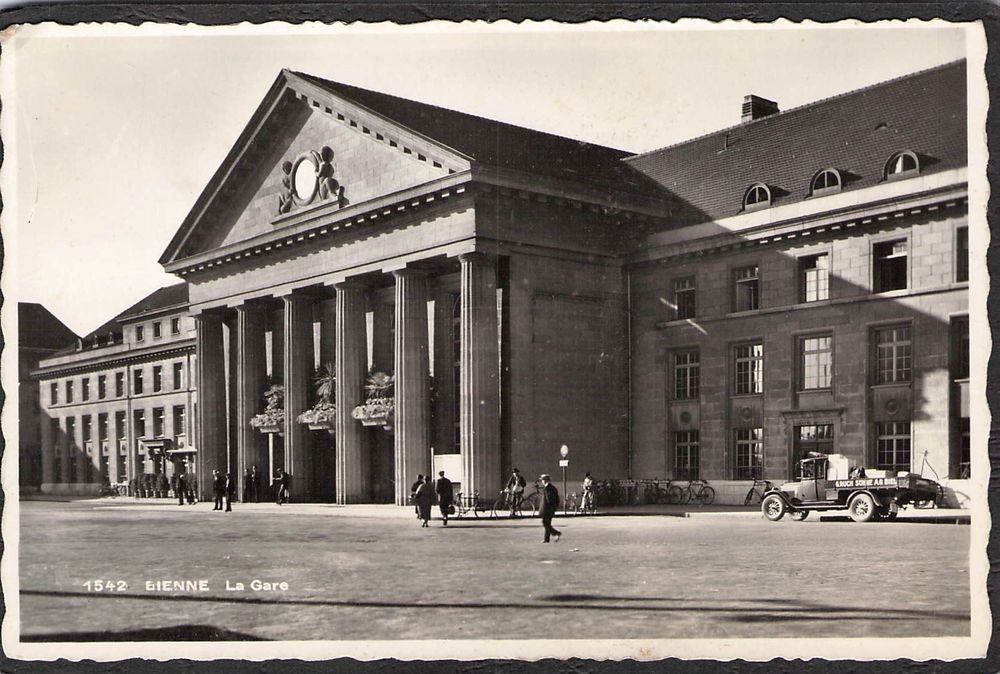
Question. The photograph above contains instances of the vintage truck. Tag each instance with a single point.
(827, 482)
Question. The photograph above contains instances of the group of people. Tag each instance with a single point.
(423, 495)
(184, 485)
(224, 487)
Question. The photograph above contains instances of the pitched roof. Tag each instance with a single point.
(855, 133)
(493, 143)
(38, 328)
(168, 296)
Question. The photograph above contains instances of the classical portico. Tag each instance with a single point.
(376, 235)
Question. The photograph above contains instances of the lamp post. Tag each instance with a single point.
(564, 463)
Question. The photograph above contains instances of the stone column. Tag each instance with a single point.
(251, 377)
(48, 448)
(412, 386)
(352, 350)
(298, 368)
(480, 376)
(65, 448)
(211, 401)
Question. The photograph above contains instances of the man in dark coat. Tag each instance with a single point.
(425, 499)
(255, 484)
(283, 484)
(413, 493)
(180, 487)
(446, 495)
(548, 507)
(218, 488)
(230, 492)
(247, 486)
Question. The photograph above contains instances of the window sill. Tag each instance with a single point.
(746, 395)
(901, 292)
(895, 384)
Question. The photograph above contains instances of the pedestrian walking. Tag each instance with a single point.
(255, 484)
(218, 488)
(548, 507)
(283, 487)
(180, 487)
(425, 499)
(230, 492)
(445, 491)
(413, 493)
(247, 486)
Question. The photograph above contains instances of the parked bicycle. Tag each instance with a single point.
(588, 503)
(664, 493)
(759, 487)
(469, 504)
(698, 490)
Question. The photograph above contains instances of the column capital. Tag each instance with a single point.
(411, 272)
(351, 284)
(477, 256)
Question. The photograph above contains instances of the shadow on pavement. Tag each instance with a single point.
(745, 611)
(172, 633)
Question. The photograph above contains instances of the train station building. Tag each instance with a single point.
(713, 309)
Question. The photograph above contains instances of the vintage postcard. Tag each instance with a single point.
(624, 340)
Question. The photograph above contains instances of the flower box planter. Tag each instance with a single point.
(385, 421)
(321, 426)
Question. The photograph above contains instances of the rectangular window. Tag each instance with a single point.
(178, 375)
(814, 278)
(56, 453)
(749, 453)
(157, 378)
(892, 446)
(157, 330)
(71, 439)
(964, 448)
(140, 334)
(816, 362)
(686, 455)
(119, 425)
(102, 386)
(86, 426)
(54, 393)
(119, 384)
(85, 388)
(102, 427)
(890, 265)
(686, 375)
(747, 291)
(175, 326)
(893, 354)
(684, 297)
(749, 376)
(962, 254)
(157, 422)
(139, 423)
(179, 426)
(960, 347)
(813, 438)
(136, 382)
(69, 390)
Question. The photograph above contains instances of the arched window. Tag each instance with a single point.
(758, 196)
(902, 165)
(825, 182)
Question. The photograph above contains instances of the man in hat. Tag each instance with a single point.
(515, 490)
(445, 494)
(548, 507)
(219, 488)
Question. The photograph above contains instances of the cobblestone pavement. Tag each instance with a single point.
(373, 573)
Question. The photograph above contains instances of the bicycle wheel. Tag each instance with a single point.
(706, 496)
(675, 495)
(529, 506)
(501, 507)
(749, 498)
(686, 495)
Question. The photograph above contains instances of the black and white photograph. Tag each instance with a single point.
(622, 340)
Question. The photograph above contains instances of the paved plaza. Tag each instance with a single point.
(371, 572)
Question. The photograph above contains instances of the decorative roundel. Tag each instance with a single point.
(685, 417)
(891, 405)
(305, 174)
(746, 413)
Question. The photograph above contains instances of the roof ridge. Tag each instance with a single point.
(490, 120)
(798, 108)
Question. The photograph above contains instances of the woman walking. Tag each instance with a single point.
(425, 499)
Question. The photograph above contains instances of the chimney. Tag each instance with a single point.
(755, 107)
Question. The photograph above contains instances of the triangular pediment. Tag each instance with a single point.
(307, 147)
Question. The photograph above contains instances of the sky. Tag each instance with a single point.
(117, 131)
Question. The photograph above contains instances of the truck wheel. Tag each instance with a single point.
(798, 515)
(773, 507)
(862, 508)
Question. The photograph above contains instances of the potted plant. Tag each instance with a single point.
(379, 404)
(321, 415)
(272, 419)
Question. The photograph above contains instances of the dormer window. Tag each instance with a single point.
(902, 165)
(758, 196)
(826, 181)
